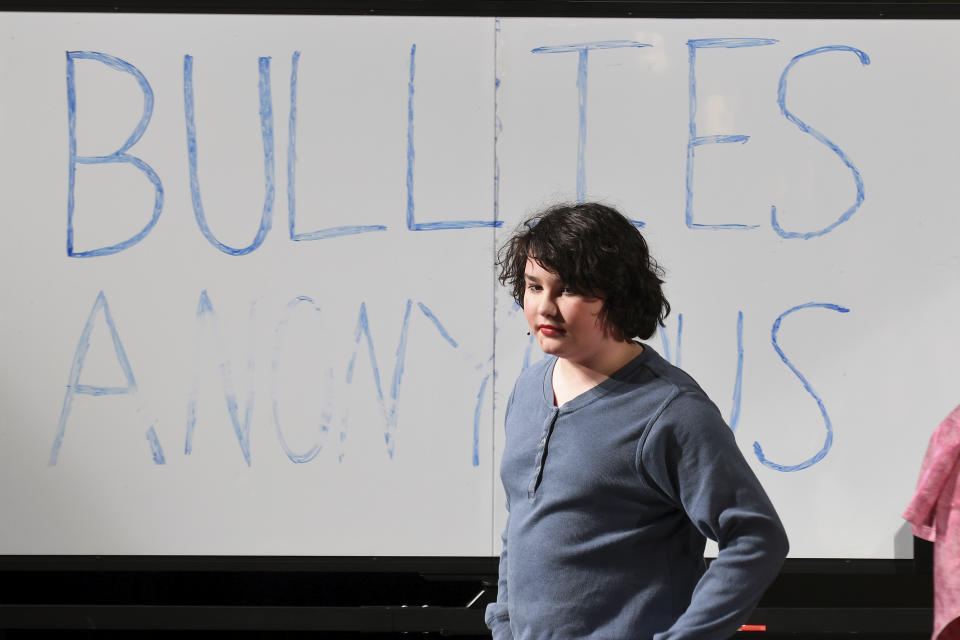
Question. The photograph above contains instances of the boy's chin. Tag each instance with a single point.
(551, 347)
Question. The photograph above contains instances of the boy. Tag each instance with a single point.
(617, 466)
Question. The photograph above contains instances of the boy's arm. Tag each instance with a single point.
(497, 614)
(692, 456)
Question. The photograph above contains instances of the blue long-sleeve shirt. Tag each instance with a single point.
(610, 499)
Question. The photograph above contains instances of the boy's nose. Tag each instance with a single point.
(548, 306)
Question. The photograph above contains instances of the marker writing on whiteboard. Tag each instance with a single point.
(582, 50)
(266, 129)
(803, 126)
(828, 441)
(695, 140)
(118, 156)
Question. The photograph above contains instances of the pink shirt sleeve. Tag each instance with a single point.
(942, 453)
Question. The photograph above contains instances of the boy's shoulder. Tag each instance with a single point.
(656, 366)
(662, 387)
(686, 406)
(532, 378)
(536, 370)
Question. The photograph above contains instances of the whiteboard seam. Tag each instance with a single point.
(493, 291)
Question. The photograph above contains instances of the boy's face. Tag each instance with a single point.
(565, 323)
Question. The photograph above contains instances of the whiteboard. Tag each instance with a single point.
(249, 301)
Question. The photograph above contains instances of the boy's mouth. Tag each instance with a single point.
(550, 330)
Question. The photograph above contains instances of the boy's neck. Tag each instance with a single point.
(602, 366)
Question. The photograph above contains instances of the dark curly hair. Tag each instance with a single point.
(594, 250)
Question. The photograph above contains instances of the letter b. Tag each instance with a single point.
(120, 155)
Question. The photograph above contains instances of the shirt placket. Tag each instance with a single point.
(545, 432)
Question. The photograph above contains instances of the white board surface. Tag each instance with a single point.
(249, 302)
